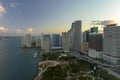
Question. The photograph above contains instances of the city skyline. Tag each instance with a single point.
(55, 16)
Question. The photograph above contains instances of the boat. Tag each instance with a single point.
(35, 54)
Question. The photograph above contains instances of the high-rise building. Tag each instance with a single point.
(94, 30)
(95, 45)
(45, 43)
(111, 44)
(71, 31)
(55, 40)
(60, 41)
(38, 42)
(23, 41)
(27, 40)
(65, 41)
(86, 36)
(98, 30)
(75, 36)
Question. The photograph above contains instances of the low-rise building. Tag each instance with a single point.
(84, 48)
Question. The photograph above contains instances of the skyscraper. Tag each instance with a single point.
(45, 43)
(75, 36)
(111, 44)
(38, 42)
(71, 31)
(86, 36)
(23, 41)
(98, 29)
(94, 30)
(27, 40)
(65, 41)
(55, 40)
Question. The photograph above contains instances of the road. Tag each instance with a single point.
(101, 65)
(39, 76)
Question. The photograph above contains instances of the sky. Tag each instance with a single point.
(53, 16)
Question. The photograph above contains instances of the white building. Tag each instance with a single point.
(110, 59)
(65, 41)
(38, 42)
(111, 44)
(27, 40)
(95, 54)
(45, 43)
(23, 41)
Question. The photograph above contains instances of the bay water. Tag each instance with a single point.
(17, 63)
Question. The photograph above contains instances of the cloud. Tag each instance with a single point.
(19, 31)
(14, 4)
(3, 29)
(30, 30)
(105, 22)
(2, 10)
(108, 22)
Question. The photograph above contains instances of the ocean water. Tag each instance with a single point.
(17, 63)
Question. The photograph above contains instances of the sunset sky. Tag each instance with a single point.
(53, 16)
